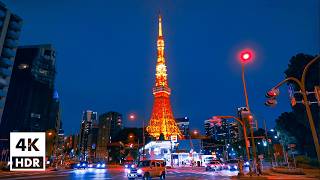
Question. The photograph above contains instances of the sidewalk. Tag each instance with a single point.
(269, 174)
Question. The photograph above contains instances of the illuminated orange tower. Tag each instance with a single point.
(162, 120)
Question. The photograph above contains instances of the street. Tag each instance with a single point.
(118, 173)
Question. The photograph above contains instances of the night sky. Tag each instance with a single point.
(106, 53)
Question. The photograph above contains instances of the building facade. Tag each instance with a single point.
(223, 132)
(183, 124)
(110, 124)
(88, 122)
(31, 97)
(10, 28)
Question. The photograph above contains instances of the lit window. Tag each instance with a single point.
(23, 66)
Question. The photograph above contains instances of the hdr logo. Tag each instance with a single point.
(27, 151)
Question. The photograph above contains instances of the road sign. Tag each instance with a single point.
(291, 145)
(291, 95)
(27, 151)
(291, 91)
(174, 138)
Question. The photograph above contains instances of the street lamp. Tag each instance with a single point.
(195, 132)
(246, 56)
(133, 117)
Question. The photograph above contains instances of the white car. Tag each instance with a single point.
(214, 166)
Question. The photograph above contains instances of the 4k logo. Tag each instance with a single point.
(21, 144)
(27, 151)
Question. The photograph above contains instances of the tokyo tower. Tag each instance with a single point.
(162, 120)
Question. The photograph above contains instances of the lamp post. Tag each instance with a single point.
(133, 117)
(246, 56)
(301, 84)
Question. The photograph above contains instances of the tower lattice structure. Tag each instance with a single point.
(162, 120)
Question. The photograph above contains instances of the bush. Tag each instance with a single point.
(304, 160)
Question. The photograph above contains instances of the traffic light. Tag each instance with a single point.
(293, 101)
(271, 102)
(272, 94)
(317, 92)
(246, 115)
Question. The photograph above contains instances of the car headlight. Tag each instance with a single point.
(212, 166)
(139, 171)
(98, 165)
(103, 165)
(247, 163)
(236, 167)
(78, 165)
(126, 166)
(90, 165)
(129, 171)
(132, 166)
(84, 164)
(229, 167)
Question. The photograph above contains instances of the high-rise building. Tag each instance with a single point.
(89, 120)
(110, 124)
(31, 98)
(10, 28)
(224, 131)
(162, 120)
(183, 124)
(208, 127)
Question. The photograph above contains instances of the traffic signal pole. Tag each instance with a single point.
(301, 84)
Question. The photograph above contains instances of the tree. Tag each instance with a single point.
(295, 124)
(161, 138)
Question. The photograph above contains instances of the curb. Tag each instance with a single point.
(297, 171)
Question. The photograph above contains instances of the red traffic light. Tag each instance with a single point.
(272, 93)
(271, 102)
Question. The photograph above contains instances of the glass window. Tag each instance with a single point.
(47, 52)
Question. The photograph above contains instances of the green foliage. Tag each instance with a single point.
(307, 160)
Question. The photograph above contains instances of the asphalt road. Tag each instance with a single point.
(114, 173)
(118, 173)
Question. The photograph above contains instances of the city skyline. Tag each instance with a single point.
(200, 61)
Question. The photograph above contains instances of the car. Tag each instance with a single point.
(214, 165)
(246, 164)
(148, 169)
(100, 165)
(81, 165)
(232, 164)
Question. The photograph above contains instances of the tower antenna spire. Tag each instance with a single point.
(160, 25)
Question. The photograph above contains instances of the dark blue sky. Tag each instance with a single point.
(106, 52)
